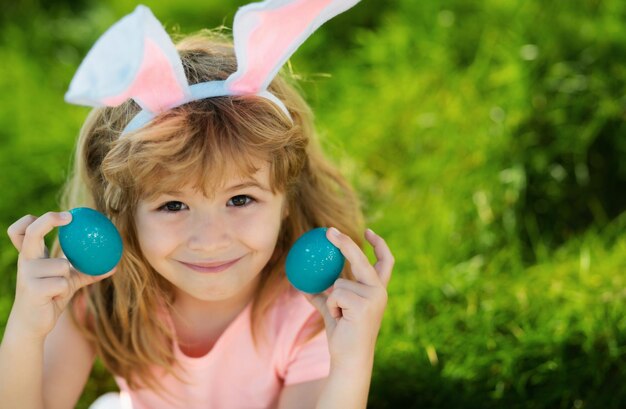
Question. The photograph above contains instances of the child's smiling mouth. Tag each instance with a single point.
(215, 267)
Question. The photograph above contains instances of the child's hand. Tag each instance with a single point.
(353, 311)
(44, 285)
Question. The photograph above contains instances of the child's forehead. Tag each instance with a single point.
(258, 178)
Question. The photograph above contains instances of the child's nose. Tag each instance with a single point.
(208, 234)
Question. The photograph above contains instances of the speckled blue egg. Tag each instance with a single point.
(313, 262)
(91, 242)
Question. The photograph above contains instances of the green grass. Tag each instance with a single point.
(487, 142)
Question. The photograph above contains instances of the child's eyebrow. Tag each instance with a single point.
(171, 193)
(250, 183)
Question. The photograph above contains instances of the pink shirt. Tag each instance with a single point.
(234, 374)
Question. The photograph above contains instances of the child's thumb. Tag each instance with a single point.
(83, 280)
(319, 302)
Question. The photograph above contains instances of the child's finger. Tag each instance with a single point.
(319, 302)
(33, 245)
(50, 287)
(375, 297)
(49, 267)
(345, 303)
(384, 265)
(361, 289)
(17, 229)
(80, 280)
(361, 267)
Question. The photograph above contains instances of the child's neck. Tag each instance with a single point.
(199, 323)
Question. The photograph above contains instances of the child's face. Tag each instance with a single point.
(179, 231)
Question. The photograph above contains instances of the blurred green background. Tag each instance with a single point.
(487, 141)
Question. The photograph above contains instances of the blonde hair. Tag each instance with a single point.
(200, 141)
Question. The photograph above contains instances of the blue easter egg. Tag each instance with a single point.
(91, 242)
(313, 262)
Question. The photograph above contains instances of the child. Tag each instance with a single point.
(209, 189)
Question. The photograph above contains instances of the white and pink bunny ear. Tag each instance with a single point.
(135, 59)
(266, 34)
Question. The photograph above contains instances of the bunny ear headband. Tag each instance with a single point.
(136, 58)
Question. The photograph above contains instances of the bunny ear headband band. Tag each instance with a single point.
(136, 58)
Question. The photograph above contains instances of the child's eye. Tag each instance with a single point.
(241, 200)
(172, 207)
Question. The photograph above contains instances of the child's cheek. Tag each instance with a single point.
(259, 229)
(156, 234)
